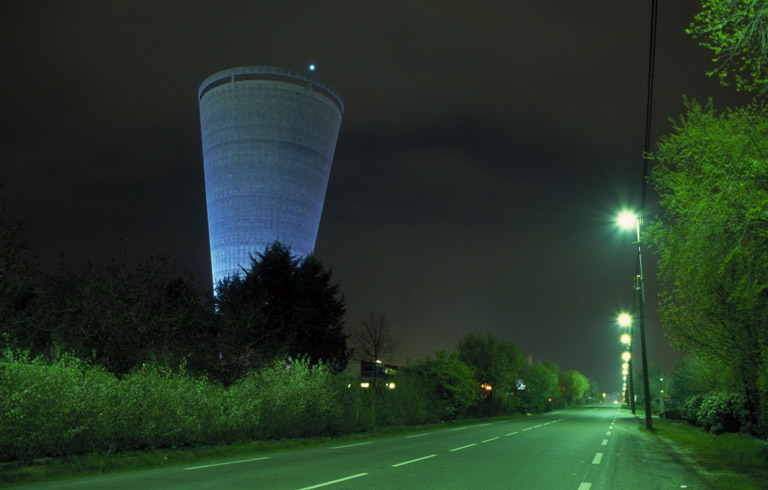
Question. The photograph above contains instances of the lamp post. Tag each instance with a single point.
(628, 220)
(625, 320)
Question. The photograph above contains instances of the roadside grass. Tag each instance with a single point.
(52, 469)
(735, 461)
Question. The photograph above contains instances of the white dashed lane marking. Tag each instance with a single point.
(352, 445)
(223, 464)
(598, 458)
(325, 484)
(463, 447)
(413, 460)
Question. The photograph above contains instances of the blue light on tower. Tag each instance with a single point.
(269, 135)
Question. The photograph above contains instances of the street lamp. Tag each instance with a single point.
(625, 320)
(628, 220)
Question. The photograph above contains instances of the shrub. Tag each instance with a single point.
(690, 411)
(53, 410)
(157, 408)
(722, 412)
(287, 401)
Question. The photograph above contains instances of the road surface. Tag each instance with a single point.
(592, 448)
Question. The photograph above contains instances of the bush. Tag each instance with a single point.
(722, 412)
(157, 408)
(53, 410)
(690, 411)
(287, 401)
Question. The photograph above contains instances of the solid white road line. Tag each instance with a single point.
(333, 481)
(228, 462)
(463, 447)
(414, 460)
(352, 445)
(598, 458)
(491, 439)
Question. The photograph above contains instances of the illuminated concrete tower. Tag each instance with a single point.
(269, 135)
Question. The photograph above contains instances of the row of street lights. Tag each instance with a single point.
(628, 220)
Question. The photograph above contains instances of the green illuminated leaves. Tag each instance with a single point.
(712, 179)
(737, 32)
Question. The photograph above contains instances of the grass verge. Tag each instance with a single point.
(52, 469)
(735, 461)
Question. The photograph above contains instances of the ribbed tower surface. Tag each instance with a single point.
(268, 135)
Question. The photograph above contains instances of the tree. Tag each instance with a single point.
(541, 387)
(496, 361)
(373, 339)
(737, 32)
(573, 385)
(280, 307)
(452, 380)
(692, 375)
(711, 174)
(122, 317)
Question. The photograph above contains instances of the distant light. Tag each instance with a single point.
(364, 384)
(625, 319)
(391, 386)
(486, 387)
(625, 339)
(626, 356)
(312, 67)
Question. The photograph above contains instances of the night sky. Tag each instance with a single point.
(483, 153)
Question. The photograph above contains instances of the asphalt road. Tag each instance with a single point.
(591, 448)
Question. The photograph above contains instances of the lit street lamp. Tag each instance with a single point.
(628, 220)
(625, 320)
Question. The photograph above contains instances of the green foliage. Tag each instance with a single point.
(452, 381)
(415, 400)
(712, 179)
(737, 32)
(541, 387)
(158, 408)
(120, 317)
(66, 407)
(573, 385)
(692, 375)
(691, 408)
(717, 412)
(497, 362)
(281, 306)
(55, 409)
(295, 400)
